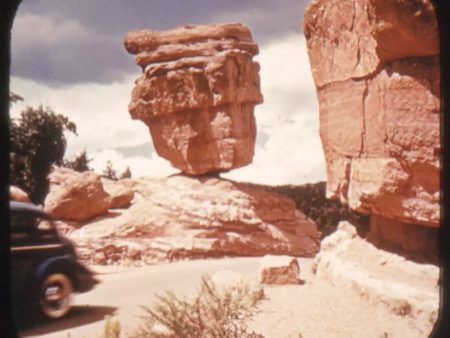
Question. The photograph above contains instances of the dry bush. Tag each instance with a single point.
(214, 312)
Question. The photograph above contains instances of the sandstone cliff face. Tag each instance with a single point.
(376, 68)
(197, 93)
(184, 217)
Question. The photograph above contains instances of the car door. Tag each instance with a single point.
(34, 239)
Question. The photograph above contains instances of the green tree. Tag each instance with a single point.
(110, 172)
(80, 163)
(37, 142)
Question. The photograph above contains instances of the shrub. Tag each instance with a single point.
(212, 313)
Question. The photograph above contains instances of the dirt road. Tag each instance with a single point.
(123, 290)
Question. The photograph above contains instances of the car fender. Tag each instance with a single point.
(61, 264)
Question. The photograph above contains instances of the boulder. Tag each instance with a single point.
(376, 68)
(182, 217)
(279, 270)
(120, 196)
(17, 194)
(197, 93)
(75, 196)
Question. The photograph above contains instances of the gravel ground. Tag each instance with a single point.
(319, 309)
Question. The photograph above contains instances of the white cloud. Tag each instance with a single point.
(153, 165)
(31, 29)
(293, 153)
(99, 111)
(290, 152)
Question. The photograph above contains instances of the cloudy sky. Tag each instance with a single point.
(69, 55)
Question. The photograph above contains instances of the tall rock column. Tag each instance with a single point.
(375, 64)
(197, 93)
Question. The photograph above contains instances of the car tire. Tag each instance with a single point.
(55, 294)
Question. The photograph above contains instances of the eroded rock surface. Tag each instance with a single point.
(197, 93)
(376, 68)
(120, 196)
(183, 217)
(405, 287)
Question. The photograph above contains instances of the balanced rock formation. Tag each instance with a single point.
(375, 64)
(184, 217)
(75, 196)
(197, 93)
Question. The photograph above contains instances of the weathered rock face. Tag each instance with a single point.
(279, 270)
(197, 94)
(376, 68)
(405, 287)
(75, 196)
(184, 217)
(17, 194)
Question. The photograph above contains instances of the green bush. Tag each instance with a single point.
(37, 141)
(212, 313)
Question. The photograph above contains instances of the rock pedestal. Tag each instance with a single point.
(375, 64)
(197, 93)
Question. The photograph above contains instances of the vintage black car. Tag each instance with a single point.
(44, 267)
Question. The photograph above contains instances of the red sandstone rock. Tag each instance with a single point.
(184, 217)
(279, 270)
(197, 94)
(120, 196)
(17, 194)
(75, 196)
(376, 68)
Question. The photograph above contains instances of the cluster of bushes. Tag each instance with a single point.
(311, 200)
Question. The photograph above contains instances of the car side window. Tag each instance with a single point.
(29, 227)
(22, 225)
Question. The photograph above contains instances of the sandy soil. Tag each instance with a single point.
(319, 309)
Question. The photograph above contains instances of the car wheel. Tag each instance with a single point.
(55, 295)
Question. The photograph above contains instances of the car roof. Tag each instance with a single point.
(27, 207)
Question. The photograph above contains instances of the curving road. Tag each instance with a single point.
(124, 290)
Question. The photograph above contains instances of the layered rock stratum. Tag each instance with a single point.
(197, 94)
(376, 69)
(182, 217)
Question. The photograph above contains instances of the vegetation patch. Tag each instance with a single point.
(214, 312)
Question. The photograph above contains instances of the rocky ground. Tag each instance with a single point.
(320, 308)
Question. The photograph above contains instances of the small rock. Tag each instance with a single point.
(279, 270)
